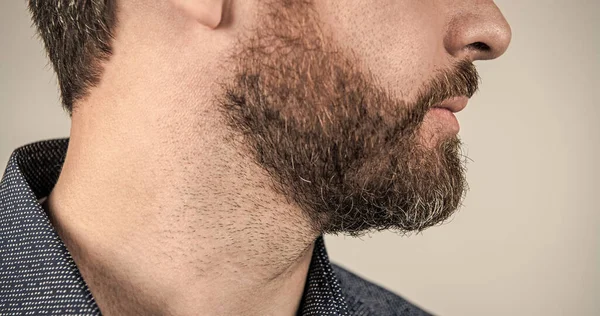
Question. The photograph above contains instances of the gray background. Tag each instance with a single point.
(527, 240)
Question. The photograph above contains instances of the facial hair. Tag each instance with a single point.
(331, 138)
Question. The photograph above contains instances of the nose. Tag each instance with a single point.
(478, 33)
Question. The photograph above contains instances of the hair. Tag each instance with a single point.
(77, 35)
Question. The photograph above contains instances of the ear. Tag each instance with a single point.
(206, 12)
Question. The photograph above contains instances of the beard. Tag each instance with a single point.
(331, 138)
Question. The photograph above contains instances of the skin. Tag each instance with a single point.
(163, 210)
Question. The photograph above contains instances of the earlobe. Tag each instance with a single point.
(206, 12)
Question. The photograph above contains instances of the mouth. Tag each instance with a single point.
(454, 105)
(440, 118)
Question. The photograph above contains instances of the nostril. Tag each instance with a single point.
(477, 34)
(480, 46)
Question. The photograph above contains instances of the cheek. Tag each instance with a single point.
(400, 42)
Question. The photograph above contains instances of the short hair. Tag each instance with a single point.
(77, 35)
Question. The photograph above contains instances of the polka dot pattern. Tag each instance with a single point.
(322, 293)
(37, 274)
(39, 277)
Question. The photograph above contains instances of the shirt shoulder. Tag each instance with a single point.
(366, 298)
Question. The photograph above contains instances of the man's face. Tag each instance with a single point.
(338, 109)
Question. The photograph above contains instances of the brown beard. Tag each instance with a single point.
(344, 149)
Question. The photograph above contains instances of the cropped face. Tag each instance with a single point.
(348, 105)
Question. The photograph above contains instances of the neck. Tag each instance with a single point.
(168, 219)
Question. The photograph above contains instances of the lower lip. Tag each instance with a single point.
(444, 118)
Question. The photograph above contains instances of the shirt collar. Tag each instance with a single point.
(38, 274)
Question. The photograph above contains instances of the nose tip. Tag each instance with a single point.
(484, 34)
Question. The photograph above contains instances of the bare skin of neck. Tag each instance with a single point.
(165, 217)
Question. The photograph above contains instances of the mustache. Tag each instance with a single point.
(460, 80)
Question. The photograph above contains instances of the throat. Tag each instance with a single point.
(155, 234)
(177, 265)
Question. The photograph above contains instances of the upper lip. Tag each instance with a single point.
(454, 104)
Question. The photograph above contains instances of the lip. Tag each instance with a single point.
(454, 105)
(441, 119)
